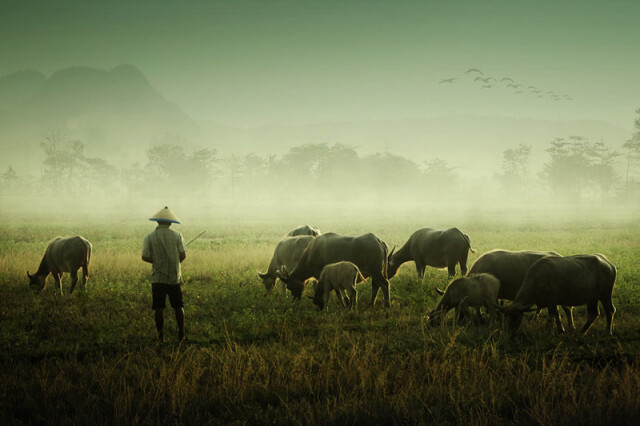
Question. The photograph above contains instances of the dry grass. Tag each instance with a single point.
(92, 358)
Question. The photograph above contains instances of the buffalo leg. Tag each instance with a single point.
(592, 314)
(479, 318)
(420, 269)
(463, 263)
(57, 277)
(553, 313)
(491, 310)
(609, 310)
(374, 290)
(383, 283)
(85, 275)
(340, 298)
(452, 269)
(568, 310)
(74, 280)
(353, 296)
(326, 295)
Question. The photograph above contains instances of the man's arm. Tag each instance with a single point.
(147, 256)
(182, 249)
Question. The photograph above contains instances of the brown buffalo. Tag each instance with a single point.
(432, 247)
(340, 277)
(63, 255)
(510, 267)
(471, 291)
(304, 230)
(287, 253)
(367, 252)
(567, 281)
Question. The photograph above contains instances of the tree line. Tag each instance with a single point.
(576, 168)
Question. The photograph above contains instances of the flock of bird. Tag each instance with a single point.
(487, 82)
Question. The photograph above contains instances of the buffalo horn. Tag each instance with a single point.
(440, 292)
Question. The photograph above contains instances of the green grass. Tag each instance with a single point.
(92, 357)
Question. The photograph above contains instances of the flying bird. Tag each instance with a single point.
(485, 80)
(515, 86)
(474, 70)
(448, 80)
(533, 87)
(488, 86)
(519, 91)
(506, 79)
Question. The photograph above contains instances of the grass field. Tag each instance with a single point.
(92, 357)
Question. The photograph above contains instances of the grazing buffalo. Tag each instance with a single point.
(63, 255)
(340, 277)
(567, 281)
(431, 247)
(304, 230)
(287, 253)
(510, 267)
(473, 290)
(367, 252)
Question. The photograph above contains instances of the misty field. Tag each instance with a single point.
(92, 357)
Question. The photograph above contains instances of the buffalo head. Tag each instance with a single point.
(267, 280)
(296, 287)
(36, 282)
(392, 267)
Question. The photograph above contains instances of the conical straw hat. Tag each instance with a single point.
(165, 215)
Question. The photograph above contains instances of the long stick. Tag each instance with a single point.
(199, 235)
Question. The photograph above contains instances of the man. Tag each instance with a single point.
(164, 248)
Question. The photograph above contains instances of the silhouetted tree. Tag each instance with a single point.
(633, 146)
(174, 168)
(515, 168)
(441, 180)
(576, 164)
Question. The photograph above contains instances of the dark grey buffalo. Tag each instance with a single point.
(287, 253)
(567, 281)
(340, 277)
(304, 230)
(367, 252)
(471, 291)
(63, 255)
(433, 247)
(510, 267)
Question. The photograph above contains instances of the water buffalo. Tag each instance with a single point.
(287, 253)
(63, 255)
(567, 281)
(473, 290)
(340, 277)
(431, 247)
(304, 230)
(366, 251)
(510, 267)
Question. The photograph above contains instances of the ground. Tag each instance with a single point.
(92, 357)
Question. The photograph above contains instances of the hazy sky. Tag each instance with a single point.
(287, 62)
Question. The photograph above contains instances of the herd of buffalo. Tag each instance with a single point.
(337, 263)
(526, 278)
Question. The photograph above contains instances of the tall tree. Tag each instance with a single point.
(633, 146)
(576, 165)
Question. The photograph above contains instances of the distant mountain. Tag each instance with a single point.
(17, 88)
(112, 112)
